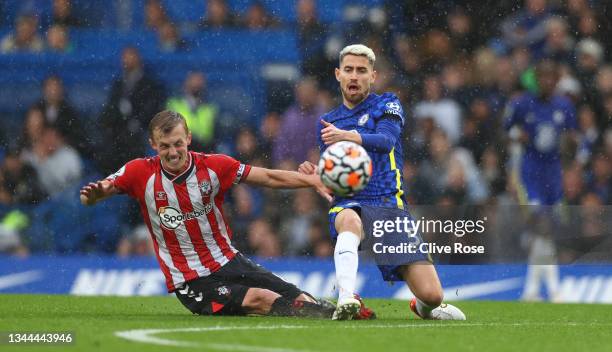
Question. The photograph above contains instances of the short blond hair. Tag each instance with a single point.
(358, 50)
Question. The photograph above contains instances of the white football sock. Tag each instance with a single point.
(346, 259)
(423, 309)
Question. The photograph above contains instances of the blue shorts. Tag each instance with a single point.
(377, 237)
(540, 182)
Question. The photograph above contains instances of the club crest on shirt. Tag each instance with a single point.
(558, 117)
(205, 188)
(161, 195)
(363, 119)
(223, 291)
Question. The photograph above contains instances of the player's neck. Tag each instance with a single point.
(350, 105)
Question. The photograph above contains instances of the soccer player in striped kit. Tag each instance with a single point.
(181, 193)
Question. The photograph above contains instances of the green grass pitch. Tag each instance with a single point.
(491, 326)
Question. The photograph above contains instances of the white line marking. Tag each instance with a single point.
(145, 335)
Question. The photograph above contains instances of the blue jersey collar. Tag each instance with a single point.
(363, 102)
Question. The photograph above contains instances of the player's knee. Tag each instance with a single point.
(259, 300)
(348, 220)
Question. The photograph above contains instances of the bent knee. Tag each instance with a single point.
(348, 220)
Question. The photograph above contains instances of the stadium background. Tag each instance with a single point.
(75, 103)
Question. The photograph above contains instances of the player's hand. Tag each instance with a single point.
(307, 168)
(94, 191)
(330, 134)
(318, 185)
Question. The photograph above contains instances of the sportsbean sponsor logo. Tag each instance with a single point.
(171, 218)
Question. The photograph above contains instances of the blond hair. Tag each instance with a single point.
(358, 50)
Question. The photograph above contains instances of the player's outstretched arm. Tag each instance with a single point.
(283, 179)
(97, 191)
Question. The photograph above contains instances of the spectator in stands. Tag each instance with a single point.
(319, 242)
(11, 226)
(573, 184)
(262, 239)
(588, 26)
(218, 15)
(137, 243)
(409, 67)
(559, 43)
(506, 78)
(604, 80)
(298, 127)
(58, 40)
(574, 9)
(478, 128)
(527, 28)
(19, 181)
(445, 112)
(247, 149)
(601, 179)
(32, 130)
(433, 169)
(258, 18)
(133, 100)
(296, 229)
(62, 14)
(25, 37)
(312, 35)
(60, 114)
(268, 133)
(169, 39)
(604, 89)
(491, 165)
(200, 114)
(57, 164)
(589, 134)
(155, 15)
(461, 29)
(589, 56)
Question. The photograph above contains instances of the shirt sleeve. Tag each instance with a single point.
(387, 133)
(126, 178)
(229, 170)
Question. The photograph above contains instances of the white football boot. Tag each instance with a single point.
(443, 312)
(346, 308)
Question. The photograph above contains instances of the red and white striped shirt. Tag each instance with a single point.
(184, 213)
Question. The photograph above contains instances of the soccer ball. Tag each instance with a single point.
(345, 168)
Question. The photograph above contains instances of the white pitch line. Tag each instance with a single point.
(146, 335)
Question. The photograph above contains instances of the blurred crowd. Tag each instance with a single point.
(454, 65)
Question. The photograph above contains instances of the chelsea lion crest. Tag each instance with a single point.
(363, 119)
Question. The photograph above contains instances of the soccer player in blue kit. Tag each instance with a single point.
(375, 122)
(537, 121)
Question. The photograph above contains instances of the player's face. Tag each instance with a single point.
(355, 75)
(172, 147)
